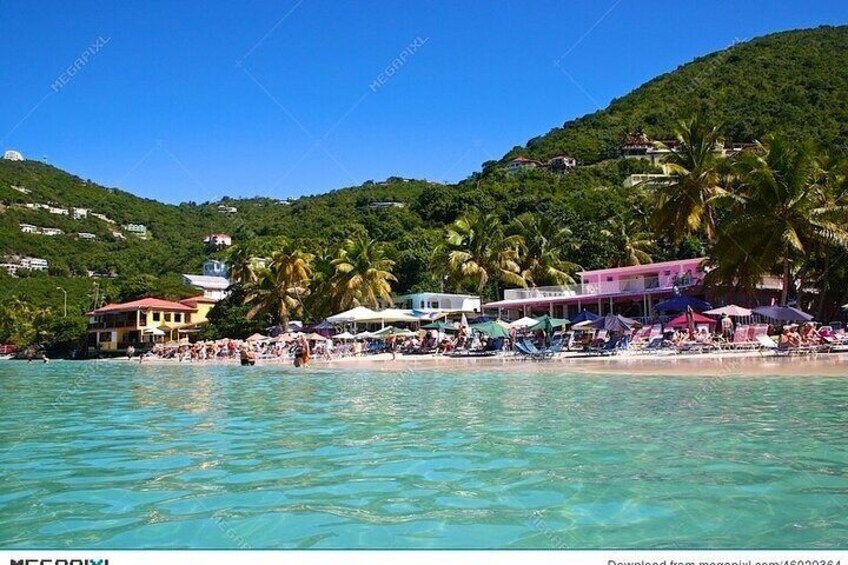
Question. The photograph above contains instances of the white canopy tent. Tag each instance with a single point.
(524, 322)
(363, 315)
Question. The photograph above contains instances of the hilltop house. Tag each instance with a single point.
(28, 228)
(144, 322)
(79, 213)
(12, 155)
(227, 209)
(33, 264)
(562, 163)
(521, 163)
(86, 235)
(218, 240)
(58, 211)
(638, 145)
(138, 230)
(51, 231)
(386, 204)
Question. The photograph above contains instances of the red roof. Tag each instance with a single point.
(144, 304)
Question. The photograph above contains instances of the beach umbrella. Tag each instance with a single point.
(391, 330)
(584, 316)
(256, 337)
(492, 329)
(344, 336)
(783, 313)
(153, 331)
(315, 337)
(524, 322)
(682, 320)
(681, 303)
(364, 335)
(548, 323)
(614, 323)
(730, 310)
(440, 326)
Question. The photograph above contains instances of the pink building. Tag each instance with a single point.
(630, 291)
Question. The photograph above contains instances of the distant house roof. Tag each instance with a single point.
(195, 300)
(636, 139)
(144, 304)
(205, 281)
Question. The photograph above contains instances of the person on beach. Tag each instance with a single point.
(130, 351)
(392, 345)
(726, 327)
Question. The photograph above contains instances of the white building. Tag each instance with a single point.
(86, 235)
(521, 163)
(386, 204)
(29, 228)
(34, 264)
(51, 231)
(103, 217)
(439, 302)
(218, 240)
(138, 230)
(227, 209)
(79, 213)
(21, 189)
(214, 288)
(58, 211)
(562, 163)
(12, 155)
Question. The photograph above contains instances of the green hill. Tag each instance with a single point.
(792, 81)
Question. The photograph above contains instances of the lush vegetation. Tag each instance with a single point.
(494, 229)
(792, 82)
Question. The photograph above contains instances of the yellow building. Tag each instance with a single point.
(145, 322)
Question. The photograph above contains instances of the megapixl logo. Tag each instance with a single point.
(59, 562)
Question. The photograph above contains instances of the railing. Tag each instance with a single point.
(599, 289)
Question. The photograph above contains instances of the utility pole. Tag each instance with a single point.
(66, 299)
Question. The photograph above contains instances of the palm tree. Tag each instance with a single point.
(281, 286)
(475, 250)
(629, 243)
(542, 250)
(321, 301)
(685, 199)
(363, 274)
(244, 265)
(785, 214)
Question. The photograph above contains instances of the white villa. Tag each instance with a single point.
(34, 264)
(218, 240)
(79, 213)
(12, 155)
(227, 209)
(213, 282)
(138, 230)
(439, 302)
(51, 231)
(86, 235)
(28, 228)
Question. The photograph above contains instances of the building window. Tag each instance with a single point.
(156, 316)
(167, 316)
(105, 336)
(178, 317)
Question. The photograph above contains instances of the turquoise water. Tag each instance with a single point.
(124, 456)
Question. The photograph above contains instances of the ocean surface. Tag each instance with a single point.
(117, 455)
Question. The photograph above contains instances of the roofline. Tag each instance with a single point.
(636, 268)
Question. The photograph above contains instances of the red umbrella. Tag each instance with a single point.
(683, 320)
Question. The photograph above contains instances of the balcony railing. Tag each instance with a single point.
(625, 286)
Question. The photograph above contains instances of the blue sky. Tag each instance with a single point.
(195, 100)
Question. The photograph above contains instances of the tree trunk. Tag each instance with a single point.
(784, 293)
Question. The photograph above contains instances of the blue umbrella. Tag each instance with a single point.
(783, 313)
(681, 304)
(584, 316)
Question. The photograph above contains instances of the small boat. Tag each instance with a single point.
(7, 357)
